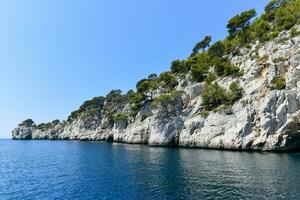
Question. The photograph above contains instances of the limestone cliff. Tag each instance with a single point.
(263, 119)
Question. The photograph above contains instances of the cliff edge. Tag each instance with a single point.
(250, 104)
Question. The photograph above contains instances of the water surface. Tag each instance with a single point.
(91, 170)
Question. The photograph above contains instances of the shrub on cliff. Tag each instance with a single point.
(136, 101)
(240, 22)
(202, 45)
(179, 67)
(223, 67)
(147, 87)
(198, 73)
(168, 81)
(279, 15)
(48, 126)
(115, 102)
(260, 30)
(169, 104)
(93, 106)
(294, 32)
(214, 57)
(27, 123)
(284, 14)
(152, 76)
(236, 92)
(211, 77)
(55, 122)
(278, 83)
(216, 50)
(199, 66)
(213, 95)
(45, 126)
(120, 117)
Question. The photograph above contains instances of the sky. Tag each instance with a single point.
(55, 54)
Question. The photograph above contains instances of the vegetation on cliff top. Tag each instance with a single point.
(214, 95)
(206, 63)
(169, 103)
(93, 106)
(27, 123)
(49, 125)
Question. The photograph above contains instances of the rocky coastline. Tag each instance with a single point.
(264, 119)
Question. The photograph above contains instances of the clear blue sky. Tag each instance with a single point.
(55, 54)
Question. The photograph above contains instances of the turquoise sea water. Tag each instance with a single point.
(91, 170)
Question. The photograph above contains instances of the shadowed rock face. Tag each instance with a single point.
(22, 133)
(264, 119)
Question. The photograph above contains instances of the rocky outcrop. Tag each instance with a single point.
(23, 133)
(264, 119)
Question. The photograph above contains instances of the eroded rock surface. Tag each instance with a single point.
(264, 119)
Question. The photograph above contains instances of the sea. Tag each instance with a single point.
(98, 170)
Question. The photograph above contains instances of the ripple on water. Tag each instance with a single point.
(90, 170)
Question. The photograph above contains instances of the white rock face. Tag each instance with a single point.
(22, 133)
(264, 119)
